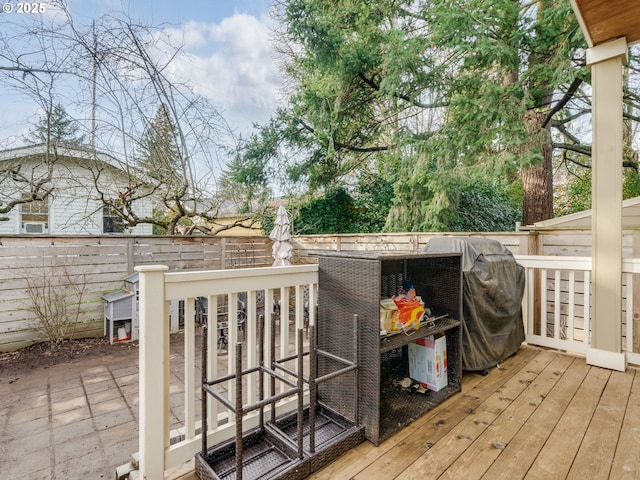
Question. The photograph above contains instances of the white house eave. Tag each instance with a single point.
(582, 220)
(72, 152)
(82, 154)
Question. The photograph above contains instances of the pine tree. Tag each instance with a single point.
(159, 155)
(56, 128)
(447, 90)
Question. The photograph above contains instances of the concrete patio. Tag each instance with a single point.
(75, 420)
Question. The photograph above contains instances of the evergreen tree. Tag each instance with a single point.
(159, 154)
(56, 128)
(518, 67)
(444, 89)
(334, 212)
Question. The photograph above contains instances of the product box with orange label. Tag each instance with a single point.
(428, 362)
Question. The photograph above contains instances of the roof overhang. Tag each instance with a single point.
(82, 153)
(582, 220)
(86, 156)
(605, 20)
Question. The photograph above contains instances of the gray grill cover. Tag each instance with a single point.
(493, 286)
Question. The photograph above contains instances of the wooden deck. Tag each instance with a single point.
(539, 415)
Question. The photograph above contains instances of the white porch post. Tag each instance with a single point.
(154, 372)
(606, 62)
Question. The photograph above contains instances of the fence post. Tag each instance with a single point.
(536, 247)
(223, 253)
(130, 255)
(154, 372)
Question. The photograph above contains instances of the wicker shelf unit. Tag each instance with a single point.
(353, 283)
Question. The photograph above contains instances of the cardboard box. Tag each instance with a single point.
(428, 362)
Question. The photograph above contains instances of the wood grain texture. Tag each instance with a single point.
(541, 415)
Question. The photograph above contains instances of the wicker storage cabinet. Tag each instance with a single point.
(353, 283)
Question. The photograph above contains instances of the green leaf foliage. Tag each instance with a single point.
(56, 128)
(159, 154)
(486, 207)
(440, 95)
(335, 212)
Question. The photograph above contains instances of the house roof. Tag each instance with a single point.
(604, 20)
(84, 153)
(582, 220)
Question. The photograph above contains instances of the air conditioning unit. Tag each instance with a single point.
(34, 227)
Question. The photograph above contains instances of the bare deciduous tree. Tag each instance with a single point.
(115, 75)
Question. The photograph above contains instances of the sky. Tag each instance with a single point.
(227, 55)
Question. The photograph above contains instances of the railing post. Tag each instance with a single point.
(154, 372)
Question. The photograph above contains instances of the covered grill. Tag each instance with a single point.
(493, 287)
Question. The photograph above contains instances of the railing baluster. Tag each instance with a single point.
(212, 357)
(250, 336)
(268, 332)
(232, 338)
(587, 308)
(284, 328)
(572, 303)
(543, 302)
(313, 301)
(189, 367)
(299, 312)
(557, 328)
(629, 313)
(530, 292)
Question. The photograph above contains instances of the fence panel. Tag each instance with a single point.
(98, 265)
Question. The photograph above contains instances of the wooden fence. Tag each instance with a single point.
(555, 243)
(99, 264)
(95, 266)
(519, 243)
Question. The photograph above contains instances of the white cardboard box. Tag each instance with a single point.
(428, 362)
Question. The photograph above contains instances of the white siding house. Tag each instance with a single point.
(74, 206)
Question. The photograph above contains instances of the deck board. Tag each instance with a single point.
(513, 408)
(595, 457)
(626, 464)
(556, 457)
(542, 414)
(435, 425)
(520, 453)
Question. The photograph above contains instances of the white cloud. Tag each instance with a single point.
(193, 34)
(53, 12)
(232, 63)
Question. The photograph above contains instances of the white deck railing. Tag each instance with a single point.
(555, 308)
(163, 444)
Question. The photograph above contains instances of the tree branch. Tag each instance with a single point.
(406, 98)
(350, 148)
(582, 149)
(563, 130)
(27, 70)
(564, 100)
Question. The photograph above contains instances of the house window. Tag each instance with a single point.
(34, 215)
(111, 223)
